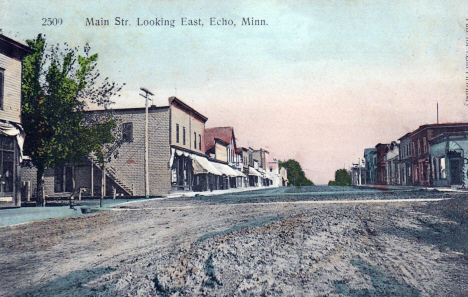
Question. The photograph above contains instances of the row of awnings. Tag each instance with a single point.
(201, 165)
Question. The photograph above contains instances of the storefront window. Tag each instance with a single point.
(7, 163)
(443, 173)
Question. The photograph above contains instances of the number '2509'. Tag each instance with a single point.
(52, 21)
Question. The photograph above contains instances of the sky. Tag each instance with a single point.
(319, 83)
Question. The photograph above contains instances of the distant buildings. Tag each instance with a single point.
(432, 155)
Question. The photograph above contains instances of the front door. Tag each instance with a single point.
(455, 174)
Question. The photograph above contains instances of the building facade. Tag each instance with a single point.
(11, 132)
(421, 157)
(448, 161)
(370, 158)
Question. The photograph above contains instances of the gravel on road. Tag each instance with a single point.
(247, 244)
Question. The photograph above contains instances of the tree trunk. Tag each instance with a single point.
(40, 186)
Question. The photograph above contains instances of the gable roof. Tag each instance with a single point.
(225, 134)
(13, 48)
(176, 102)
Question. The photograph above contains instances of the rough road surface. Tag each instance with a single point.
(275, 242)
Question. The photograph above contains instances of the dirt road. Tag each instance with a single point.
(273, 242)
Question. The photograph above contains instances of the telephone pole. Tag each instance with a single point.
(145, 95)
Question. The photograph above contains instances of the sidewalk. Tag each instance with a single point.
(24, 215)
(412, 188)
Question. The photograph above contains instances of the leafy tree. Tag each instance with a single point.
(296, 175)
(342, 178)
(59, 84)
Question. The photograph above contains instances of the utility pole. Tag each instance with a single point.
(437, 112)
(145, 95)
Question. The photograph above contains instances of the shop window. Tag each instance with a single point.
(127, 132)
(7, 155)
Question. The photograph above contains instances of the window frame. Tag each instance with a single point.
(177, 133)
(127, 132)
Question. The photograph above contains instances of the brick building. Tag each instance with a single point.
(380, 165)
(125, 172)
(420, 139)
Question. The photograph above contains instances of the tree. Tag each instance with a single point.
(58, 86)
(296, 175)
(342, 178)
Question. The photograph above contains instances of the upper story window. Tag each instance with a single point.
(425, 144)
(199, 141)
(177, 133)
(127, 132)
(419, 147)
(183, 136)
(2, 87)
(195, 140)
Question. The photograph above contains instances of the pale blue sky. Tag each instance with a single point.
(321, 82)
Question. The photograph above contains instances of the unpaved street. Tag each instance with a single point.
(274, 242)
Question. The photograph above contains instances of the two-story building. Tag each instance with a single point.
(221, 147)
(381, 163)
(11, 134)
(370, 158)
(405, 153)
(392, 163)
(420, 138)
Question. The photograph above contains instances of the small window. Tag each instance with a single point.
(177, 133)
(127, 132)
(2, 87)
(195, 140)
(183, 139)
(199, 141)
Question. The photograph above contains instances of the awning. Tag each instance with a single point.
(178, 153)
(264, 173)
(201, 165)
(224, 169)
(9, 129)
(254, 172)
(239, 173)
